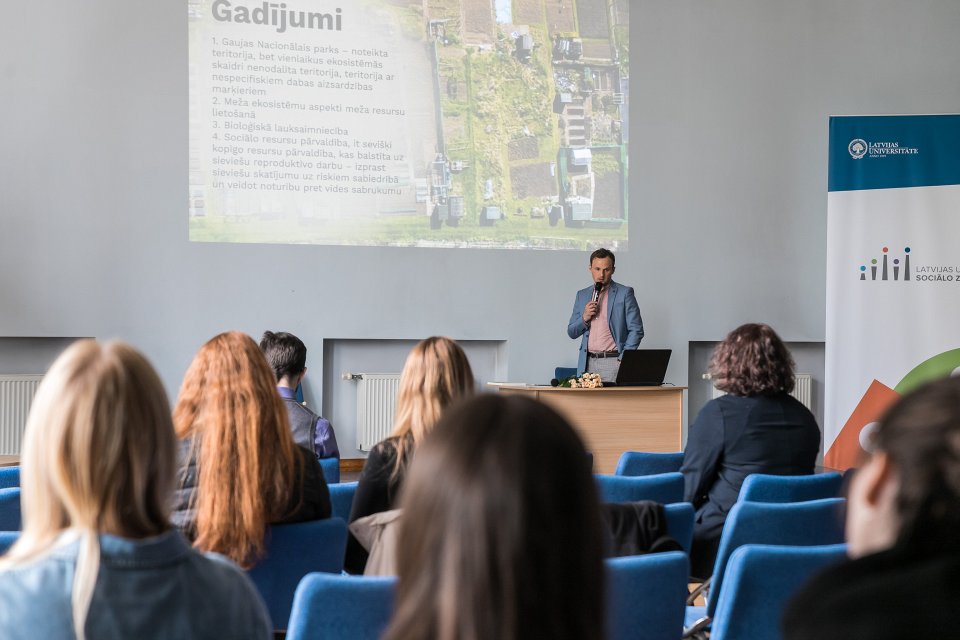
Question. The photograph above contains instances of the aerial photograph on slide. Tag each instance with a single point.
(447, 123)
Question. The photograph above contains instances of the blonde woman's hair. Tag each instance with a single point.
(230, 408)
(98, 457)
(436, 374)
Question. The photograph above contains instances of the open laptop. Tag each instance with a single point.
(643, 367)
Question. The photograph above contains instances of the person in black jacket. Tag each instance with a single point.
(903, 580)
(756, 428)
(435, 374)
(239, 467)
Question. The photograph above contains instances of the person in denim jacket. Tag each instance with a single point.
(97, 557)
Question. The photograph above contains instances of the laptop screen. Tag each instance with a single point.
(643, 367)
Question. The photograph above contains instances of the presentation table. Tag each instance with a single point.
(614, 419)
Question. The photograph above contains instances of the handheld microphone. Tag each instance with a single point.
(596, 291)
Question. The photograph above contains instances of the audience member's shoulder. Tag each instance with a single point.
(34, 578)
(307, 459)
(35, 597)
(385, 449)
(791, 404)
(304, 455)
(879, 596)
(726, 403)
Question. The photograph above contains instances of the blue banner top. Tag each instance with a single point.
(886, 152)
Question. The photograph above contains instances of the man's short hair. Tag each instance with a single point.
(285, 352)
(603, 254)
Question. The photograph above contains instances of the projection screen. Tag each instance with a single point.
(450, 123)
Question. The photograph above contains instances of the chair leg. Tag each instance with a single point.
(702, 590)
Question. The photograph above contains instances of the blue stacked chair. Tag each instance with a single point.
(293, 551)
(662, 487)
(643, 463)
(341, 498)
(760, 487)
(645, 601)
(341, 607)
(760, 580)
(9, 477)
(646, 595)
(811, 523)
(331, 469)
(564, 372)
(7, 538)
(10, 509)
(679, 517)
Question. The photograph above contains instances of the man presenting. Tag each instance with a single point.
(606, 317)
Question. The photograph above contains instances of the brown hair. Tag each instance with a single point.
(285, 353)
(921, 436)
(752, 361)
(241, 440)
(98, 457)
(436, 374)
(603, 254)
(501, 532)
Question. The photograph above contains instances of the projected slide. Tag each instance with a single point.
(449, 123)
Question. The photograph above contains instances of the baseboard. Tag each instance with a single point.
(351, 465)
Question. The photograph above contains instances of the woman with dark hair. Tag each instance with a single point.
(435, 375)
(501, 534)
(758, 427)
(902, 522)
(239, 467)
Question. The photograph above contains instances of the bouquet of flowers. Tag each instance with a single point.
(586, 381)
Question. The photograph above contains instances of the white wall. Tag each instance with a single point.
(728, 183)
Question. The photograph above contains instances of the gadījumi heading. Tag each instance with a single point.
(275, 15)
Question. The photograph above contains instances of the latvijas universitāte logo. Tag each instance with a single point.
(857, 148)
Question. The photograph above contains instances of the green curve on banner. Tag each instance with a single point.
(939, 366)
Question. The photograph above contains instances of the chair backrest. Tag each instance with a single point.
(7, 538)
(341, 498)
(10, 509)
(9, 477)
(679, 517)
(806, 524)
(646, 596)
(564, 372)
(643, 463)
(293, 551)
(331, 469)
(760, 487)
(760, 580)
(339, 607)
(661, 487)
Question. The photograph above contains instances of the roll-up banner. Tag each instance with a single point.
(893, 268)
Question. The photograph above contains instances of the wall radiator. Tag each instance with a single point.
(802, 390)
(376, 406)
(16, 396)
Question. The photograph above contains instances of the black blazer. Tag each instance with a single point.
(907, 591)
(735, 436)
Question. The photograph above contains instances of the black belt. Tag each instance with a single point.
(603, 354)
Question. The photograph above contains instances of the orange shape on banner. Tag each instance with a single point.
(845, 450)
